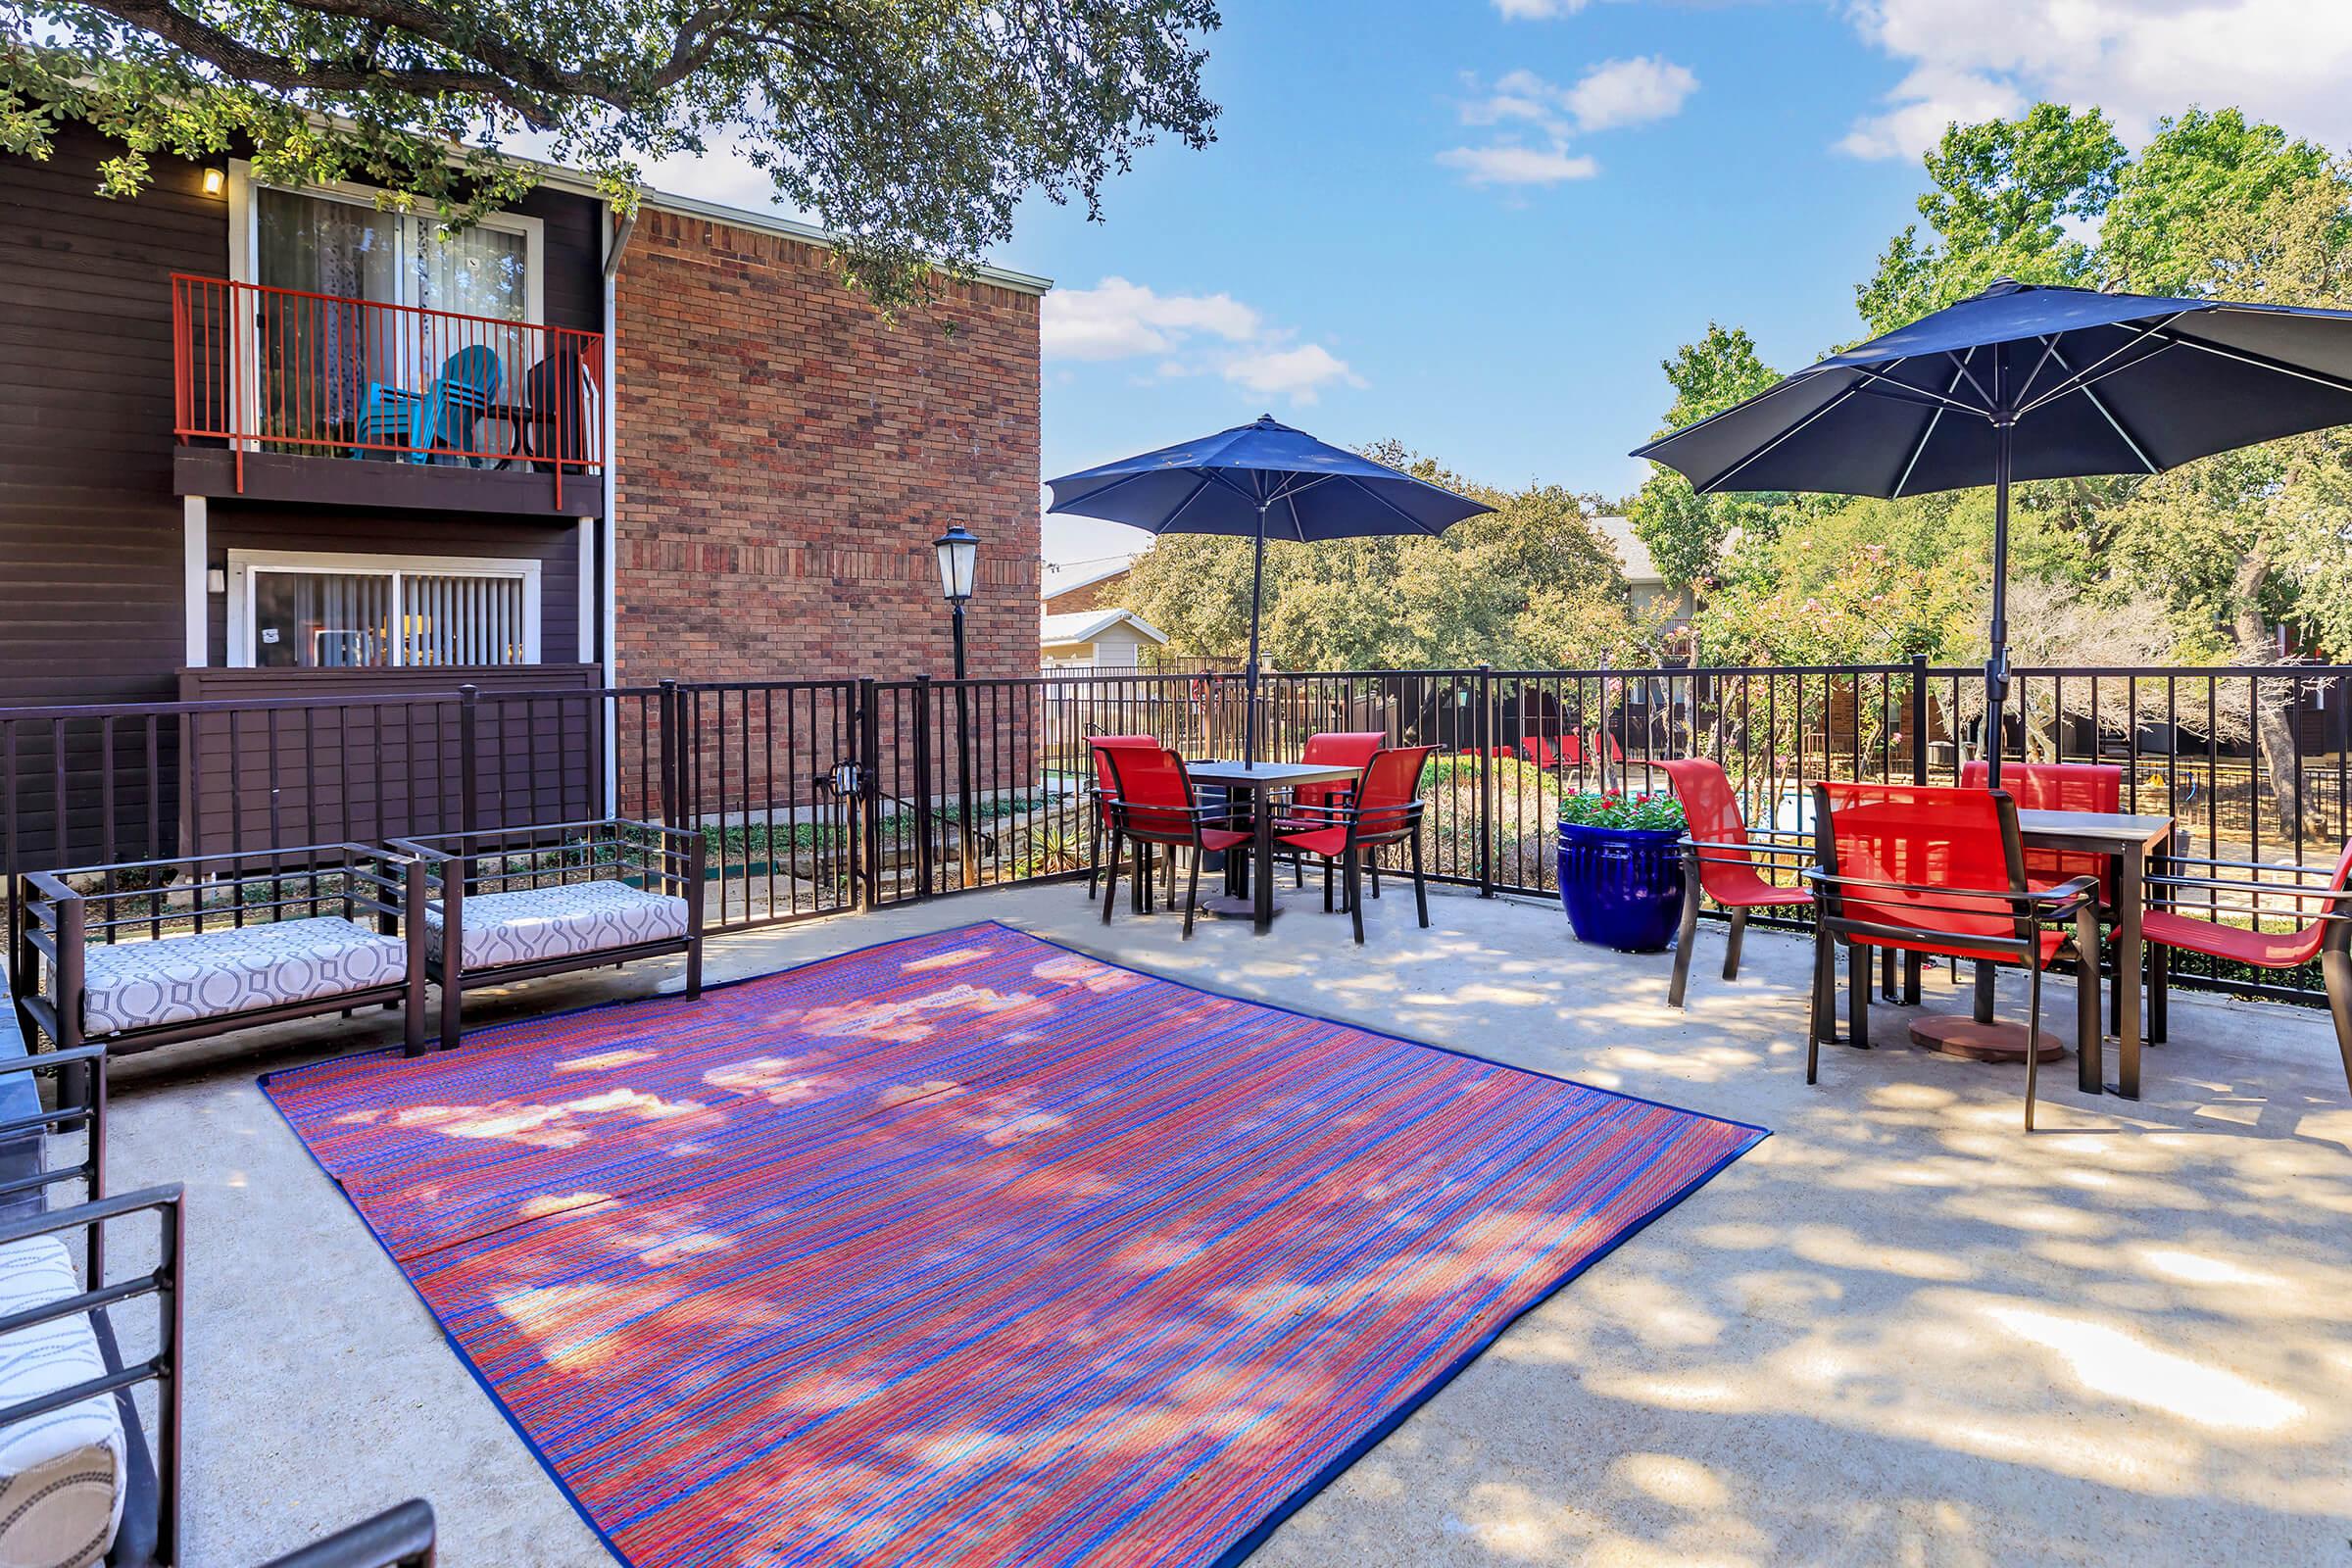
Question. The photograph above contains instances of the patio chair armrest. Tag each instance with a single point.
(401, 1537)
(2066, 899)
(2023, 900)
(51, 885)
(2275, 890)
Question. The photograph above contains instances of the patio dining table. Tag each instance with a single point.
(1250, 879)
(2132, 842)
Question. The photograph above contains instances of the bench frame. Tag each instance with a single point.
(60, 921)
(460, 865)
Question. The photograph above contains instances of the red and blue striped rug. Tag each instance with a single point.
(970, 1248)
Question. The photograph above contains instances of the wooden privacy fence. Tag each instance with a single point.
(820, 795)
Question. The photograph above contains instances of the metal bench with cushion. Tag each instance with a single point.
(147, 954)
(517, 904)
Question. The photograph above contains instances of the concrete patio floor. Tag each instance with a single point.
(1901, 1330)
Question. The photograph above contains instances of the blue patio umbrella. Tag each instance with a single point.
(2027, 383)
(1260, 482)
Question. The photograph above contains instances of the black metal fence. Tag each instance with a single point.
(821, 796)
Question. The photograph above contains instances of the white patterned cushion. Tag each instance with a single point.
(62, 1475)
(130, 985)
(557, 921)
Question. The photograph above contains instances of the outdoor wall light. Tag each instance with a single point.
(216, 180)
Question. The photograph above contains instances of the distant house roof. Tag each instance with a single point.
(1085, 626)
(1632, 554)
(1089, 580)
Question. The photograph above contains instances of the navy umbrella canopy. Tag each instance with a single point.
(2025, 381)
(1261, 481)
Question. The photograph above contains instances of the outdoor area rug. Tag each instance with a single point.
(971, 1248)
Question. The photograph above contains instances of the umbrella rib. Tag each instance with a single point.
(1080, 500)
(1716, 483)
(2108, 415)
(1986, 409)
(2259, 361)
(1184, 506)
(2093, 372)
(1925, 436)
(2049, 352)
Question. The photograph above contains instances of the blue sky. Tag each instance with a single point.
(1478, 225)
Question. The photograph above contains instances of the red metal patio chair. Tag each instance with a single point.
(2058, 787)
(1103, 789)
(1352, 748)
(1719, 861)
(1540, 750)
(2328, 938)
(1939, 871)
(1152, 803)
(1386, 808)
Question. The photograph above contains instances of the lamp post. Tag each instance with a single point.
(958, 564)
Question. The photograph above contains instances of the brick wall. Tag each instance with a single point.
(787, 456)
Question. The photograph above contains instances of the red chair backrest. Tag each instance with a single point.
(1105, 785)
(1572, 747)
(1713, 811)
(1392, 784)
(1943, 842)
(1345, 748)
(1153, 794)
(2053, 786)
(1540, 750)
(2058, 787)
(2315, 935)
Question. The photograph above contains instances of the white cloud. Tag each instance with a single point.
(1509, 164)
(1298, 373)
(1630, 92)
(1117, 320)
(2138, 60)
(1538, 117)
(1186, 335)
(1538, 10)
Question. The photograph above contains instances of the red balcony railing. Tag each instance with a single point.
(279, 369)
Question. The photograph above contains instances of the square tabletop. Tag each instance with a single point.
(2114, 831)
(1270, 776)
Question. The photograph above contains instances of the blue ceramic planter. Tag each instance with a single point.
(1622, 886)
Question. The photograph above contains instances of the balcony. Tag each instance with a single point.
(283, 395)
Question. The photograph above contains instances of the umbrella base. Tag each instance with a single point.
(1222, 907)
(1964, 1037)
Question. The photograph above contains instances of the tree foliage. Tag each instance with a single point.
(911, 127)
(1529, 585)
(1685, 531)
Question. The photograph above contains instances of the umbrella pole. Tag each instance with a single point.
(1257, 590)
(1996, 662)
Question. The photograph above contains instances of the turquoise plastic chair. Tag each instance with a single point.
(445, 414)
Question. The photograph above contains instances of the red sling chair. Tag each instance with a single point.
(1352, 748)
(1152, 802)
(1386, 808)
(1104, 789)
(1913, 868)
(2328, 938)
(2058, 787)
(1719, 861)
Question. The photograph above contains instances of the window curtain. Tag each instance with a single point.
(315, 353)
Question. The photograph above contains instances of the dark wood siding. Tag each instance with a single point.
(91, 599)
(246, 525)
(383, 760)
(90, 528)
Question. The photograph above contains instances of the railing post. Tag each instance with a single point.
(1919, 719)
(924, 815)
(1485, 731)
(470, 803)
(869, 785)
(666, 717)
